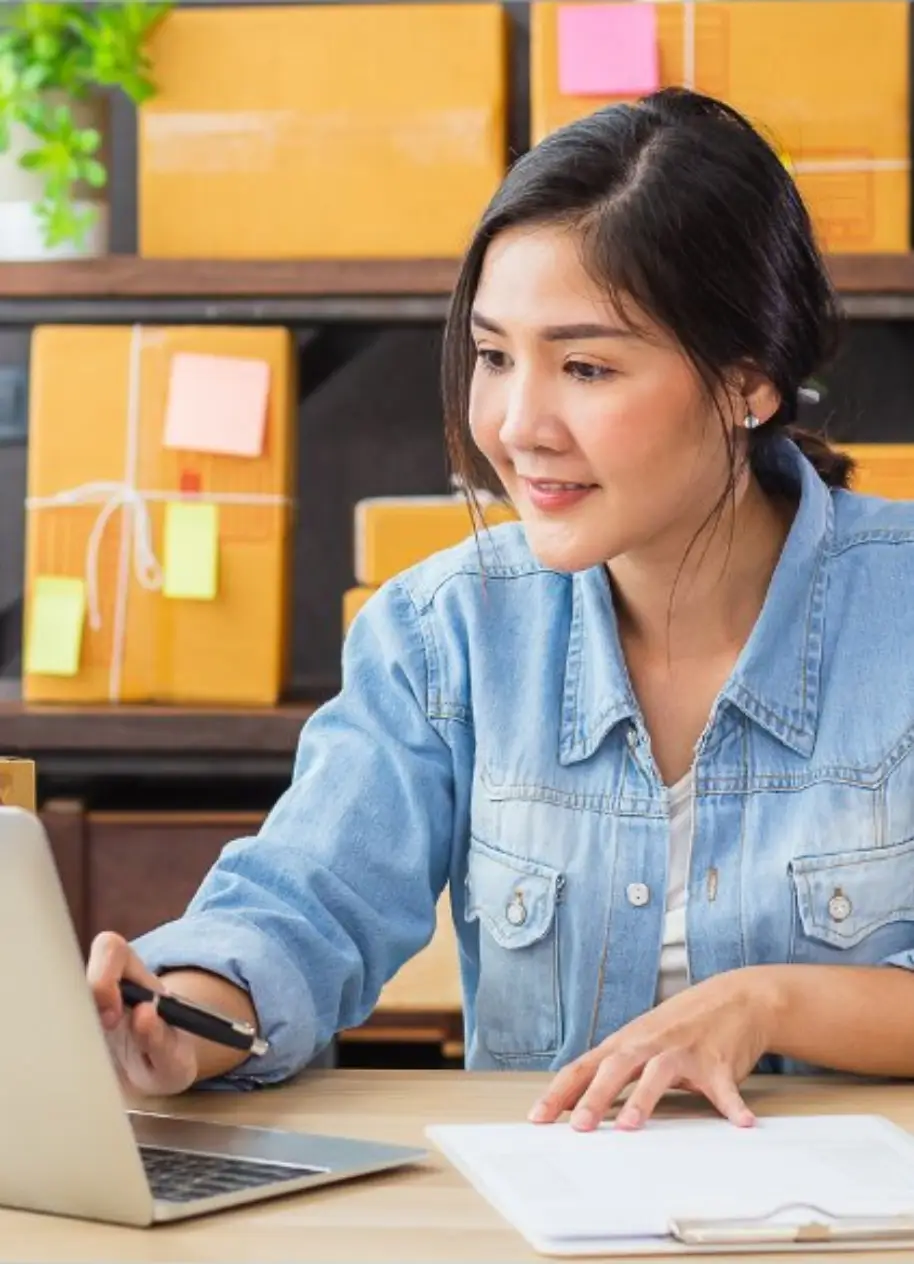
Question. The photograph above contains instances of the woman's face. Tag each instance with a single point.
(604, 439)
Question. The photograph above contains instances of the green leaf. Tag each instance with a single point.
(88, 140)
(32, 161)
(94, 173)
(75, 48)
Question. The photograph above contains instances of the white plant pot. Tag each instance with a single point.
(20, 230)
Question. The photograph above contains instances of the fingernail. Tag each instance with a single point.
(745, 1118)
(629, 1117)
(584, 1118)
(539, 1114)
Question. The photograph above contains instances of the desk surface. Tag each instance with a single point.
(427, 1214)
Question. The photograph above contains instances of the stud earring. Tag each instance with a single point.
(752, 422)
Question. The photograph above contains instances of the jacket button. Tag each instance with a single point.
(839, 906)
(516, 912)
(637, 894)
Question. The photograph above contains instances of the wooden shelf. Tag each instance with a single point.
(141, 730)
(873, 274)
(127, 288)
(126, 276)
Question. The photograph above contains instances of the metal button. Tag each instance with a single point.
(516, 912)
(638, 894)
(839, 906)
(632, 738)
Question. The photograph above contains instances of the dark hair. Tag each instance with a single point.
(685, 209)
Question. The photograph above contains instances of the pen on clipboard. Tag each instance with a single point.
(196, 1019)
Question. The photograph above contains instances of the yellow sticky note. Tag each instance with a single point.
(191, 550)
(55, 632)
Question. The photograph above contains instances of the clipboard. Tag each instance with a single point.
(695, 1187)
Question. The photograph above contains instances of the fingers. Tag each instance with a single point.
(668, 1070)
(659, 1075)
(723, 1093)
(564, 1090)
(590, 1086)
(151, 1056)
(614, 1072)
(111, 959)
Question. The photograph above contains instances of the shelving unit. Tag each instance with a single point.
(150, 729)
(125, 287)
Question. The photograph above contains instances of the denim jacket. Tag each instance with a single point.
(487, 736)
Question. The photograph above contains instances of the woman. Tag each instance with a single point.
(658, 736)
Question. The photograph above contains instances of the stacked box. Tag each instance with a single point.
(329, 131)
(393, 533)
(826, 80)
(157, 564)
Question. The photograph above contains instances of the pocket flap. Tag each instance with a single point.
(843, 898)
(514, 898)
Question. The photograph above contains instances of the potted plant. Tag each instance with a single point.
(57, 65)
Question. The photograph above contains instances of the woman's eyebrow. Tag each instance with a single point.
(559, 333)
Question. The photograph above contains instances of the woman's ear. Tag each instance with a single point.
(762, 398)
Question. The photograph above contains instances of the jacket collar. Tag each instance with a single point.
(776, 679)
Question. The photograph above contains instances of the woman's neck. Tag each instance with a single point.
(680, 603)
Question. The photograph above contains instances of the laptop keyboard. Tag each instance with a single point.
(180, 1176)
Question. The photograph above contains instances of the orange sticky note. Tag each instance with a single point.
(608, 50)
(217, 404)
(55, 632)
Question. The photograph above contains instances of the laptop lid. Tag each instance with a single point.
(66, 1143)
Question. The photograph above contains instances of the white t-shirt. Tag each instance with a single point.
(674, 975)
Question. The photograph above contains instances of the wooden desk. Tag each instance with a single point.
(430, 1214)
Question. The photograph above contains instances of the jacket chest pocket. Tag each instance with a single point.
(518, 1002)
(859, 904)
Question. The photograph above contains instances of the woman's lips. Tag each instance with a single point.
(552, 496)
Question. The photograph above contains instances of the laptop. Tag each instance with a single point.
(68, 1146)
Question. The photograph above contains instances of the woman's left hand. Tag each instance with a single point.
(707, 1039)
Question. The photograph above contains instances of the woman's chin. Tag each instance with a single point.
(562, 549)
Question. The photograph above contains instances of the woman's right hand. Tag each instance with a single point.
(150, 1056)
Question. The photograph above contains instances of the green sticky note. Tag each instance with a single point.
(191, 550)
(55, 632)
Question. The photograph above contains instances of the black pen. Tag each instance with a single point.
(197, 1019)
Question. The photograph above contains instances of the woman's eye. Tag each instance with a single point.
(491, 360)
(584, 371)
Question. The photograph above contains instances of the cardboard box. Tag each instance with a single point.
(826, 80)
(353, 601)
(328, 131)
(232, 649)
(17, 783)
(883, 469)
(393, 533)
(430, 981)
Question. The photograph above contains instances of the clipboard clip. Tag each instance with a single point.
(816, 1225)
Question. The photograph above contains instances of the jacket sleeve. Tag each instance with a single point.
(339, 888)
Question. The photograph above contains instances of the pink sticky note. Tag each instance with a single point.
(608, 50)
(217, 404)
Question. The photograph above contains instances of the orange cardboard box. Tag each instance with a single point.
(330, 130)
(17, 783)
(353, 601)
(100, 484)
(883, 469)
(826, 80)
(430, 981)
(393, 533)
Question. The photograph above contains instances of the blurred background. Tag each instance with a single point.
(228, 233)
